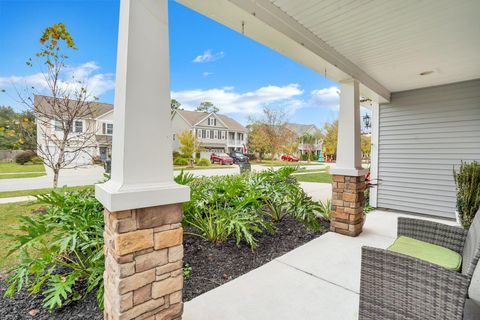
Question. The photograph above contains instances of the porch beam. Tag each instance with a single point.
(266, 23)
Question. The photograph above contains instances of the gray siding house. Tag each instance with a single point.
(422, 135)
(299, 130)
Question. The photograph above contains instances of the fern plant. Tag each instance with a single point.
(467, 181)
(60, 250)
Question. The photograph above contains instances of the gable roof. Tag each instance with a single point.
(193, 117)
(300, 129)
(98, 108)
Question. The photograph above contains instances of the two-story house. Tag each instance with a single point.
(92, 132)
(215, 132)
(300, 130)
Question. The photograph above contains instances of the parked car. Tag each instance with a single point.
(238, 157)
(287, 157)
(221, 158)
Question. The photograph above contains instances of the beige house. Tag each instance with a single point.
(216, 132)
(92, 133)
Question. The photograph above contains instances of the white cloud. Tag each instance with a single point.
(250, 102)
(208, 56)
(72, 79)
(206, 73)
(326, 98)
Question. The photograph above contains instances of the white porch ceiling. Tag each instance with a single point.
(394, 41)
(383, 44)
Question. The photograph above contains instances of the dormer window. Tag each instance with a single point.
(212, 121)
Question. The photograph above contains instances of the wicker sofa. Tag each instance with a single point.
(397, 286)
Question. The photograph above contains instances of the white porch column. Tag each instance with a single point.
(142, 141)
(349, 158)
(348, 176)
(143, 234)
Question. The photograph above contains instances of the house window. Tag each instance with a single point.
(223, 135)
(78, 126)
(204, 133)
(212, 121)
(240, 136)
(174, 137)
(58, 125)
(216, 134)
(211, 134)
(107, 128)
(199, 133)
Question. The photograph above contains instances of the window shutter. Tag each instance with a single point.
(104, 128)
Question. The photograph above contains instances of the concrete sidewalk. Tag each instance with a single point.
(319, 280)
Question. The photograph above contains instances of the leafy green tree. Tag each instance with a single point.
(207, 106)
(17, 129)
(308, 141)
(366, 145)
(258, 139)
(175, 105)
(331, 137)
(189, 144)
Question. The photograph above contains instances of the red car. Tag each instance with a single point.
(221, 158)
(287, 157)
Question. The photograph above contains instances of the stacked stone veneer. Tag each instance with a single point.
(143, 263)
(347, 204)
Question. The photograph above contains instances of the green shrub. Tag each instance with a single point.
(180, 162)
(184, 178)
(467, 180)
(60, 249)
(36, 160)
(326, 209)
(203, 162)
(25, 156)
(245, 205)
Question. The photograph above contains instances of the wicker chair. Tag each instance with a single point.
(396, 286)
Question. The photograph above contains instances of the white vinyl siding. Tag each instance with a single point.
(423, 134)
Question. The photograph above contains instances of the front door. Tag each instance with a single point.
(103, 153)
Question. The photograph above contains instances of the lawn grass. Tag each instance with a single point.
(32, 192)
(22, 175)
(8, 167)
(321, 177)
(9, 214)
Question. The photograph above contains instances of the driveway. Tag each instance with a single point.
(69, 177)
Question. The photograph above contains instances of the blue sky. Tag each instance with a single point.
(208, 61)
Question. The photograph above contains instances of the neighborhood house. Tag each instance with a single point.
(300, 130)
(97, 128)
(216, 133)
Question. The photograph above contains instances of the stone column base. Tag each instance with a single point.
(347, 205)
(144, 263)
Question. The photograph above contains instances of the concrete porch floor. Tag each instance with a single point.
(319, 280)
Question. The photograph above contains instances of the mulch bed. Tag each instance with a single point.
(211, 266)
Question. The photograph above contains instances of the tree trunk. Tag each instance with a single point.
(55, 177)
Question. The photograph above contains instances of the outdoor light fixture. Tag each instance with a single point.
(366, 121)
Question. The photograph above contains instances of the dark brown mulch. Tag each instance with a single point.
(212, 265)
(215, 264)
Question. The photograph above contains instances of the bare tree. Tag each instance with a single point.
(65, 119)
(274, 129)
